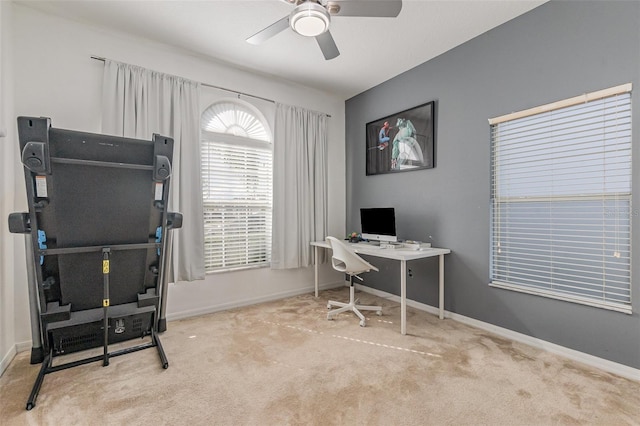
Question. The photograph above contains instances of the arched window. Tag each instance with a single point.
(237, 152)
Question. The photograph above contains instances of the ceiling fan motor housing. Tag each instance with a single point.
(309, 19)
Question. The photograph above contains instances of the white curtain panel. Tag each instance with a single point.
(137, 103)
(299, 185)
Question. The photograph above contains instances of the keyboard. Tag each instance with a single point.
(364, 245)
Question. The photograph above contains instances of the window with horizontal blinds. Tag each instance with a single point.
(237, 189)
(561, 201)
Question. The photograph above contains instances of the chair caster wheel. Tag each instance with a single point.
(328, 306)
(329, 318)
(379, 313)
(362, 323)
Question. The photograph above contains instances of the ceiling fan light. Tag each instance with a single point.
(309, 19)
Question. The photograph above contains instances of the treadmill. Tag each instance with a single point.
(97, 237)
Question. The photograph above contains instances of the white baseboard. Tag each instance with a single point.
(246, 302)
(13, 351)
(593, 361)
(7, 358)
(23, 346)
(601, 363)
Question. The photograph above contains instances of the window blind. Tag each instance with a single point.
(237, 193)
(561, 201)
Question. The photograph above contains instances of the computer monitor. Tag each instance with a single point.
(378, 224)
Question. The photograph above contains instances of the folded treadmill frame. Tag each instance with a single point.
(97, 239)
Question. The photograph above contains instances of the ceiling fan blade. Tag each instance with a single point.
(327, 45)
(373, 8)
(270, 31)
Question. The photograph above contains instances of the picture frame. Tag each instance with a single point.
(402, 142)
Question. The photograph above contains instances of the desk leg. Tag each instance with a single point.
(403, 297)
(441, 285)
(315, 267)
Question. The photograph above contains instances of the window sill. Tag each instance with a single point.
(618, 307)
(238, 268)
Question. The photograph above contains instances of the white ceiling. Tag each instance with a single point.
(372, 49)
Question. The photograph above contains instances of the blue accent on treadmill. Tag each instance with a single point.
(158, 237)
(42, 238)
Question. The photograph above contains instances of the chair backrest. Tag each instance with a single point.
(346, 260)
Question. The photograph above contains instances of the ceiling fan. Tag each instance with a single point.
(311, 18)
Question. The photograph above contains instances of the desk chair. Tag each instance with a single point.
(347, 261)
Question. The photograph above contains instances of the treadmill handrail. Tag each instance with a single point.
(91, 249)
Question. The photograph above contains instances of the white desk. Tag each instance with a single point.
(403, 255)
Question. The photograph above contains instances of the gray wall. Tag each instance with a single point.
(556, 51)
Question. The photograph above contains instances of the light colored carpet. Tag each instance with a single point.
(282, 363)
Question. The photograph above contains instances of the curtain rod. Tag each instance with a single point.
(99, 58)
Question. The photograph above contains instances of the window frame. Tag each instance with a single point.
(215, 141)
(554, 201)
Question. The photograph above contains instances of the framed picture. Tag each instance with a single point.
(402, 142)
